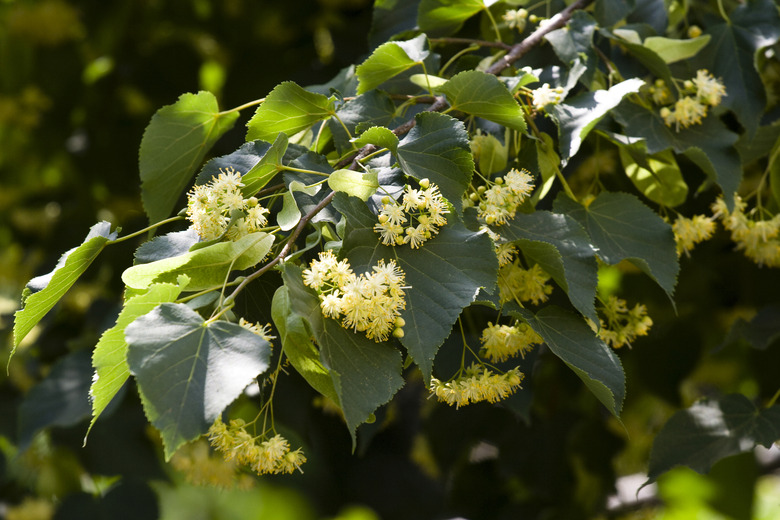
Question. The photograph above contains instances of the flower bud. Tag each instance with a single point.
(694, 31)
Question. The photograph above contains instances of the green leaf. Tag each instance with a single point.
(266, 167)
(297, 344)
(444, 17)
(731, 57)
(575, 43)
(622, 228)
(290, 215)
(189, 370)
(378, 136)
(109, 356)
(389, 60)
(358, 184)
(657, 177)
(548, 161)
(288, 108)
(427, 81)
(561, 247)
(570, 338)
(672, 50)
(489, 153)
(43, 292)
(761, 331)
(391, 17)
(710, 145)
(710, 430)
(207, 267)
(774, 172)
(59, 400)
(365, 374)
(173, 146)
(483, 95)
(577, 117)
(437, 148)
(648, 58)
(374, 108)
(445, 275)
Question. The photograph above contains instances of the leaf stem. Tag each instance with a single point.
(723, 11)
(460, 53)
(472, 41)
(242, 107)
(147, 229)
(301, 170)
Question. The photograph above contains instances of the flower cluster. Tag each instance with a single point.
(702, 92)
(515, 19)
(544, 95)
(201, 468)
(426, 207)
(264, 331)
(497, 202)
(218, 208)
(622, 325)
(476, 384)
(757, 238)
(269, 456)
(500, 342)
(370, 302)
(690, 231)
(516, 283)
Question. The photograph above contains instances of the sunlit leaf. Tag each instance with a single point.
(442, 17)
(43, 292)
(206, 267)
(483, 95)
(378, 136)
(358, 184)
(389, 60)
(671, 50)
(173, 146)
(657, 177)
(189, 370)
(288, 108)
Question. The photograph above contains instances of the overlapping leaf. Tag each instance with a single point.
(441, 17)
(364, 374)
(189, 370)
(288, 108)
(374, 108)
(444, 275)
(561, 247)
(570, 338)
(173, 146)
(657, 177)
(483, 95)
(109, 356)
(437, 148)
(206, 268)
(378, 136)
(577, 117)
(711, 430)
(43, 292)
(575, 42)
(621, 228)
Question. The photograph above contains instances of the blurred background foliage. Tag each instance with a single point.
(79, 81)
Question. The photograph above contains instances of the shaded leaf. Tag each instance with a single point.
(166, 246)
(389, 60)
(577, 117)
(444, 275)
(266, 167)
(374, 108)
(760, 331)
(173, 146)
(710, 430)
(189, 370)
(109, 356)
(647, 57)
(575, 43)
(43, 292)
(560, 245)
(391, 17)
(206, 268)
(298, 346)
(437, 148)
(288, 108)
(365, 374)
(61, 399)
(573, 341)
(731, 57)
(622, 228)
(242, 160)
